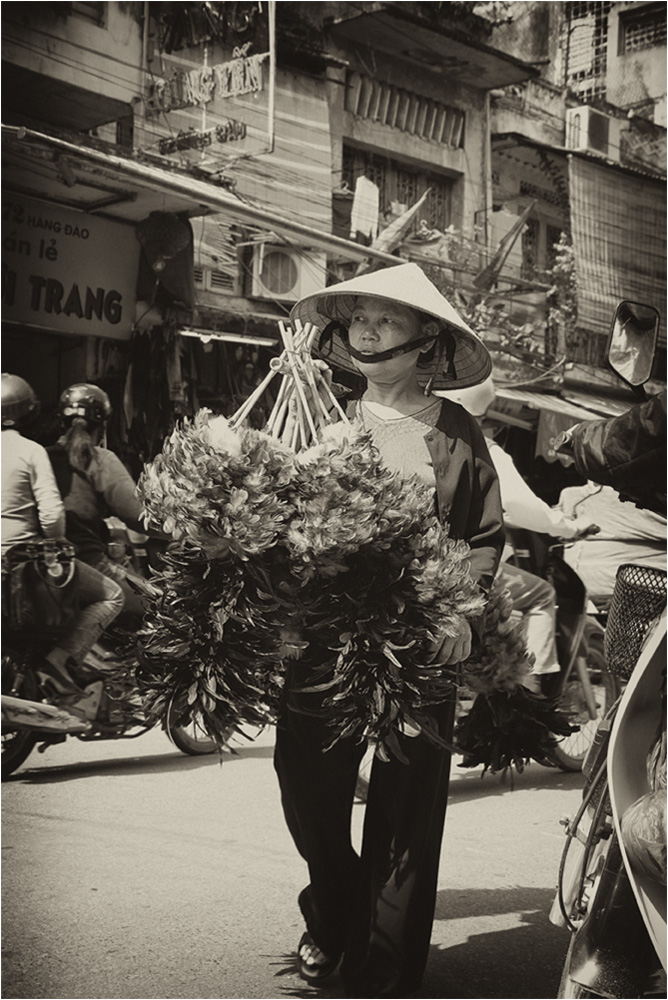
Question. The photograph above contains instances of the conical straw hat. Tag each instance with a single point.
(465, 360)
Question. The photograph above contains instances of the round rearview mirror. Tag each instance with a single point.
(632, 344)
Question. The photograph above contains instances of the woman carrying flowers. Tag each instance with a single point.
(373, 914)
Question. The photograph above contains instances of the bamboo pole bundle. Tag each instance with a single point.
(305, 403)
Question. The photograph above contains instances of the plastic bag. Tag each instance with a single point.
(644, 834)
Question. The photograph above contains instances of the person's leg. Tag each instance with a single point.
(317, 792)
(535, 598)
(133, 602)
(101, 600)
(390, 932)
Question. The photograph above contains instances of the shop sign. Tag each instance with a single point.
(204, 107)
(198, 87)
(67, 271)
(230, 131)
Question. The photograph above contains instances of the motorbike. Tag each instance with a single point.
(37, 580)
(615, 911)
(612, 878)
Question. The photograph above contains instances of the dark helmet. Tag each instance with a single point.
(84, 400)
(19, 402)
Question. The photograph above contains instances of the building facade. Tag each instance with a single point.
(175, 176)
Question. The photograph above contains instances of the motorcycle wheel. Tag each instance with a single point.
(192, 739)
(20, 681)
(571, 751)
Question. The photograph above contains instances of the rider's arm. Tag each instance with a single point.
(50, 510)
(114, 482)
(627, 452)
(522, 508)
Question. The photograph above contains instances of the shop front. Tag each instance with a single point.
(98, 285)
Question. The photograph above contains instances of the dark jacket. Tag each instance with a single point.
(467, 488)
(627, 452)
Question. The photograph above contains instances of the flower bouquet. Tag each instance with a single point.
(305, 573)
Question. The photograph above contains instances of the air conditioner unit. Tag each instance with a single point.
(592, 131)
(286, 274)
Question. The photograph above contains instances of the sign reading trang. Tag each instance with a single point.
(67, 271)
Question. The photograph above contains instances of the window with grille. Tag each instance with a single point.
(642, 29)
(587, 47)
(404, 110)
(221, 281)
(400, 186)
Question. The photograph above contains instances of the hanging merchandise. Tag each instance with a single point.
(166, 264)
(364, 215)
(295, 543)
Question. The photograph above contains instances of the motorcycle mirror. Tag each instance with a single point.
(632, 343)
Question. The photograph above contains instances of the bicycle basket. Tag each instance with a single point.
(639, 597)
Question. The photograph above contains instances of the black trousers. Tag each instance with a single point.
(378, 909)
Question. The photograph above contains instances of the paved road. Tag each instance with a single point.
(131, 871)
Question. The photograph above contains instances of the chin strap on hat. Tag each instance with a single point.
(392, 352)
(336, 326)
(327, 336)
(446, 353)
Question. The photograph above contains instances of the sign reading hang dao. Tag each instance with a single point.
(67, 271)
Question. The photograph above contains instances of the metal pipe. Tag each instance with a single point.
(207, 196)
(271, 100)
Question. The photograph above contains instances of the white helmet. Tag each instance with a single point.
(476, 399)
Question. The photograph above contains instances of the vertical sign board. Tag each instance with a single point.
(67, 271)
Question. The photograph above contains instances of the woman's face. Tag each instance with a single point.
(379, 324)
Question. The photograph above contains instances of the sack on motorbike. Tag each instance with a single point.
(644, 834)
(39, 585)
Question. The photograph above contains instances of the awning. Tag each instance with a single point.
(618, 223)
(434, 42)
(116, 187)
(569, 403)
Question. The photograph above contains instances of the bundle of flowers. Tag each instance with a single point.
(507, 726)
(210, 645)
(211, 642)
(400, 592)
(220, 487)
(303, 569)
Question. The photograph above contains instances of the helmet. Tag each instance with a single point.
(19, 402)
(476, 398)
(84, 400)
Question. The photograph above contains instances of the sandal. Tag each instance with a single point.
(314, 971)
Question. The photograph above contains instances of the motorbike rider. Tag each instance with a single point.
(32, 508)
(627, 452)
(532, 596)
(628, 535)
(94, 483)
